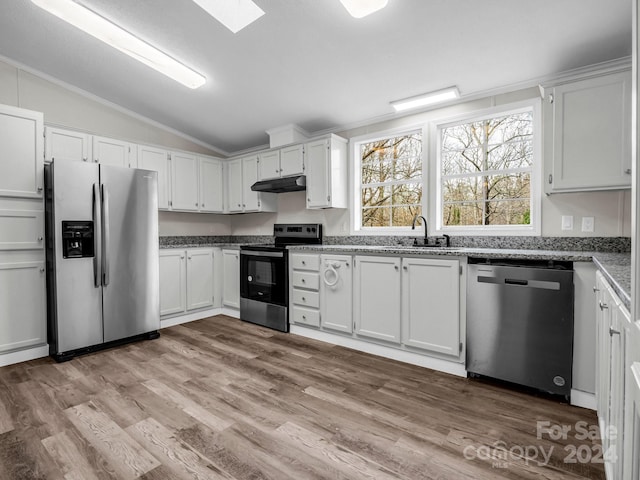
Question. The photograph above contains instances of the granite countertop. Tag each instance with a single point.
(228, 246)
(616, 267)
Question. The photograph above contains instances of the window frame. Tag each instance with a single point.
(435, 169)
(356, 227)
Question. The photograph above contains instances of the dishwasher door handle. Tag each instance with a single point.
(543, 284)
(516, 281)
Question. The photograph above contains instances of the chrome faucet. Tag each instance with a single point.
(424, 223)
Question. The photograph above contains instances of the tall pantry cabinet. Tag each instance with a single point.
(22, 255)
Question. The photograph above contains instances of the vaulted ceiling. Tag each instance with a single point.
(309, 62)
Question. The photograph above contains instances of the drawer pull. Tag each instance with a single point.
(304, 299)
(303, 280)
(613, 332)
(602, 305)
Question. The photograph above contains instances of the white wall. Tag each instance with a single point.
(610, 209)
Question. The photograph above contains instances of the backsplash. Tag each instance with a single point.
(581, 244)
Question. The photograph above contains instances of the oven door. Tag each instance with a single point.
(263, 276)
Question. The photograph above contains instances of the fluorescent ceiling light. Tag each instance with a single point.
(233, 14)
(426, 99)
(362, 8)
(102, 29)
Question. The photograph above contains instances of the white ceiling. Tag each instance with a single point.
(309, 62)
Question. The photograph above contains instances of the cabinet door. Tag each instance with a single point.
(431, 305)
(23, 320)
(21, 229)
(591, 134)
(231, 268)
(234, 185)
(199, 278)
(269, 165)
(318, 175)
(251, 202)
(292, 160)
(21, 154)
(211, 185)
(184, 182)
(61, 144)
(336, 293)
(377, 297)
(620, 326)
(108, 151)
(156, 159)
(173, 282)
(603, 347)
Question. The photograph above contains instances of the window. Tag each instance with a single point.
(486, 173)
(388, 181)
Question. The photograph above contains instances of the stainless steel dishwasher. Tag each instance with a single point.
(520, 322)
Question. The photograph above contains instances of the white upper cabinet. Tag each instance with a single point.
(109, 151)
(242, 173)
(326, 168)
(21, 153)
(62, 144)
(156, 159)
(184, 182)
(284, 162)
(211, 185)
(587, 134)
(292, 160)
(269, 164)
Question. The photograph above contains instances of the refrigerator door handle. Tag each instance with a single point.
(97, 244)
(105, 235)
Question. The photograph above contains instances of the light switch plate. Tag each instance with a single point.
(567, 222)
(588, 224)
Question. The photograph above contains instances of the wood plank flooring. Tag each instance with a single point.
(223, 399)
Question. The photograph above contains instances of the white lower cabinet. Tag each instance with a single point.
(431, 304)
(187, 280)
(199, 278)
(377, 296)
(336, 293)
(613, 338)
(23, 320)
(173, 282)
(304, 289)
(231, 272)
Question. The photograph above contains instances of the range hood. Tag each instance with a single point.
(281, 185)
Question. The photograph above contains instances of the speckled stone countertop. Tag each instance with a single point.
(616, 267)
(226, 246)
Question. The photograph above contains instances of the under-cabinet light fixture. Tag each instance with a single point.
(111, 34)
(233, 14)
(431, 98)
(362, 8)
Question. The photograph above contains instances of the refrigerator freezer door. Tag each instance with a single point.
(78, 299)
(131, 301)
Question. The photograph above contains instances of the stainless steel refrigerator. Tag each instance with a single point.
(102, 256)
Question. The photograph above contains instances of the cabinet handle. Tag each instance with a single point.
(613, 332)
(304, 317)
(628, 171)
(196, 204)
(203, 205)
(550, 179)
(84, 159)
(181, 257)
(243, 205)
(40, 239)
(396, 267)
(404, 267)
(308, 199)
(602, 305)
(595, 289)
(39, 189)
(303, 280)
(189, 257)
(239, 205)
(304, 299)
(41, 269)
(303, 262)
(328, 198)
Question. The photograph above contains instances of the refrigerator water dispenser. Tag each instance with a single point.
(77, 239)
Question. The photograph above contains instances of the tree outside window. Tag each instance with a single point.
(485, 171)
(391, 180)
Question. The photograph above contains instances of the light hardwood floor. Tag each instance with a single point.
(219, 398)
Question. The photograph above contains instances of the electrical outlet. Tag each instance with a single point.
(567, 222)
(587, 224)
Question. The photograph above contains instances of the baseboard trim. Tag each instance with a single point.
(199, 315)
(24, 355)
(452, 368)
(583, 399)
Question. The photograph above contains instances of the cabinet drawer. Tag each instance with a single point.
(306, 316)
(305, 262)
(306, 298)
(306, 280)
